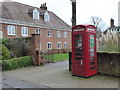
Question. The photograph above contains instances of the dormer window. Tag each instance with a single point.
(36, 14)
(47, 17)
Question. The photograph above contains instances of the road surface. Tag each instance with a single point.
(57, 75)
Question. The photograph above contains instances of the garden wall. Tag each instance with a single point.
(108, 63)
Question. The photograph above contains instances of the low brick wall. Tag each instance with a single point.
(108, 63)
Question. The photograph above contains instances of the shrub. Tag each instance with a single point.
(109, 42)
(3, 40)
(17, 63)
(5, 52)
(6, 65)
(19, 47)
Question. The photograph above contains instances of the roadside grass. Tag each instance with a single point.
(60, 57)
(57, 57)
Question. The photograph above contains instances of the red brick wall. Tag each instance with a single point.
(54, 39)
(43, 38)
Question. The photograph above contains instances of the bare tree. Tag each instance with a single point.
(98, 23)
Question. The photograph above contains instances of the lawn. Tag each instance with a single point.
(57, 57)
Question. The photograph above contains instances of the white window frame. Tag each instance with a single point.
(11, 30)
(58, 33)
(36, 14)
(49, 48)
(47, 17)
(24, 31)
(65, 45)
(49, 33)
(1, 34)
(37, 31)
(65, 34)
(59, 45)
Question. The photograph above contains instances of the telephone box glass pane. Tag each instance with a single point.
(92, 41)
(78, 36)
(78, 49)
(92, 58)
(79, 54)
(93, 67)
(92, 63)
(91, 50)
(91, 54)
(79, 58)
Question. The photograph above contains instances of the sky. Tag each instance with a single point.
(105, 9)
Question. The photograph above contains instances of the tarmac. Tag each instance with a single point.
(54, 75)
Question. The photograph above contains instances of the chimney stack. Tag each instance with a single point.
(43, 6)
(112, 22)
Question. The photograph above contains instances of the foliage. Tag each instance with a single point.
(12, 64)
(109, 42)
(19, 47)
(3, 40)
(4, 52)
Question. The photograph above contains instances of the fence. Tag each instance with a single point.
(48, 56)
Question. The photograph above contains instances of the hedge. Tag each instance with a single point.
(15, 63)
(5, 54)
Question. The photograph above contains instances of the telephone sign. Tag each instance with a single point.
(84, 59)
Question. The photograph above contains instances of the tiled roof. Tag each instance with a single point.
(18, 11)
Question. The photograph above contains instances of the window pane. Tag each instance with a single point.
(37, 31)
(11, 30)
(65, 45)
(59, 45)
(24, 31)
(58, 34)
(49, 33)
(35, 14)
(65, 34)
(49, 45)
(47, 17)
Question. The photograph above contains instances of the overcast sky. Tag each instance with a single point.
(105, 9)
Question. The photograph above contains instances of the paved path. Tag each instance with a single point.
(11, 82)
(57, 75)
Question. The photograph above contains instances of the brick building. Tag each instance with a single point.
(18, 20)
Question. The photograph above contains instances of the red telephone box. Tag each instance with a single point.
(84, 56)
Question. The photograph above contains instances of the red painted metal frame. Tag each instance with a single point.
(79, 68)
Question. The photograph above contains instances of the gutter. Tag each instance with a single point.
(9, 21)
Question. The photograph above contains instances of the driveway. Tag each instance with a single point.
(57, 75)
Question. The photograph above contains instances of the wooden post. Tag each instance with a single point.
(73, 12)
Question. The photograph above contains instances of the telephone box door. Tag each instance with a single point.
(78, 53)
(92, 57)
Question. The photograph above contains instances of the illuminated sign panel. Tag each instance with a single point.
(90, 29)
(79, 30)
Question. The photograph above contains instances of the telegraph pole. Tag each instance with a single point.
(73, 12)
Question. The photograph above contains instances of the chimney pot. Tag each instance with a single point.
(112, 22)
(43, 6)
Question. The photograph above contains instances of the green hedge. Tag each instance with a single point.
(12, 64)
(5, 54)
